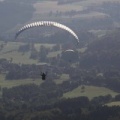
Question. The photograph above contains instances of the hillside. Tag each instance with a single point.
(78, 14)
(12, 14)
(103, 53)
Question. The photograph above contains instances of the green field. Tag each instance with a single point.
(38, 45)
(44, 8)
(10, 50)
(53, 54)
(63, 77)
(117, 103)
(90, 92)
(12, 83)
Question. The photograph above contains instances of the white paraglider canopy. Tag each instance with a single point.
(47, 23)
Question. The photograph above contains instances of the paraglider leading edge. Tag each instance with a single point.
(47, 23)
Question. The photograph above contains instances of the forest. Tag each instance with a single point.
(31, 102)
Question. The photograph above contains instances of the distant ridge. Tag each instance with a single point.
(104, 52)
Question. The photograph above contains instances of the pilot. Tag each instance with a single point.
(43, 75)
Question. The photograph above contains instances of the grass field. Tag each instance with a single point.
(12, 83)
(117, 103)
(10, 50)
(37, 46)
(82, 50)
(90, 92)
(53, 54)
(18, 57)
(63, 77)
(46, 7)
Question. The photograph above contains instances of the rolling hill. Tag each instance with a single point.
(104, 52)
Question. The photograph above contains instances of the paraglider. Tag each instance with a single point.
(43, 75)
(47, 23)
